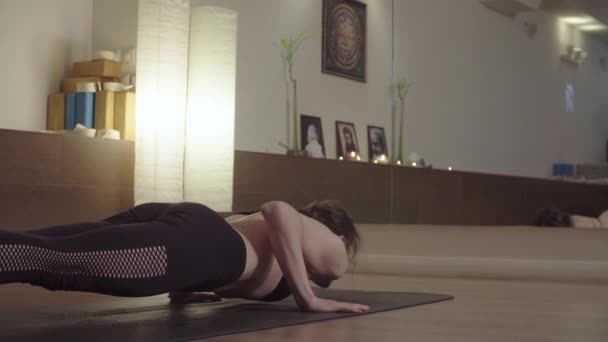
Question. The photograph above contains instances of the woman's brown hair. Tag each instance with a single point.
(552, 217)
(334, 216)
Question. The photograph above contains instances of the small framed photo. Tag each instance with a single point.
(346, 141)
(311, 136)
(376, 144)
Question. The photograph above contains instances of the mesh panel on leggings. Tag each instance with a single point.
(133, 263)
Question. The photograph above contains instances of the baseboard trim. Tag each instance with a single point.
(484, 268)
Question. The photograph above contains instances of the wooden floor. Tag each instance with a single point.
(493, 311)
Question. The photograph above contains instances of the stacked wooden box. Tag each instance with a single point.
(100, 109)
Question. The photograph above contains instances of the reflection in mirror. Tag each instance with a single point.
(489, 97)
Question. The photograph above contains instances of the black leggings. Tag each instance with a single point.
(147, 250)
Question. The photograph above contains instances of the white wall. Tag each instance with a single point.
(260, 105)
(39, 39)
(114, 24)
(487, 98)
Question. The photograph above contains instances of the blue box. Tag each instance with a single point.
(70, 111)
(85, 109)
(563, 170)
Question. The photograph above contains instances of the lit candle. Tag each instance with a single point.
(414, 164)
(358, 158)
(353, 154)
(375, 162)
(340, 158)
(449, 168)
(398, 162)
(383, 157)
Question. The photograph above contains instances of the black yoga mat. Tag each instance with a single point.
(192, 321)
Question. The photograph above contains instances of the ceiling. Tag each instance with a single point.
(597, 9)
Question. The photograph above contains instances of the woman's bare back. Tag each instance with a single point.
(262, 272)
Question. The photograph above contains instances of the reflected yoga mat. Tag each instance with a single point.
(189, 322)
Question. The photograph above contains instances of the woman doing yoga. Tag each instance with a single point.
(191, 252)
(552, 217)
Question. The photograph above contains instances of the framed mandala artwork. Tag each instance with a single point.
(344, 38)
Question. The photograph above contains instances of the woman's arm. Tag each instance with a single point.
(286, 230)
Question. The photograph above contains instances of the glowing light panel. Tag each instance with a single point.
(209, 153)
(162, 62)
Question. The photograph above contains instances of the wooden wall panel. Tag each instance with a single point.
(51, 179)
(26, 206)
(478, 212)
(263, 177)
(403, 210)
(517, 213)
(477, 186)
(431, 184)
(440, 210)
(91, 161)
(405, 195)
(48, 179)
(29, 157)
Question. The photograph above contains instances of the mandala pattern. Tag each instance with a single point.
(344, 38)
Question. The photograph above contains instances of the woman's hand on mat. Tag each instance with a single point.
(179, 297)
(328, 305)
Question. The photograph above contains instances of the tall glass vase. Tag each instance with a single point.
(292, 111)
(294, 103)
(401, 121)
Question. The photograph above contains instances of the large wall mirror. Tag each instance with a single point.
(486, 90)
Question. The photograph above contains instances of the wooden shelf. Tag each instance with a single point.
(407, 195)
(48, 179)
